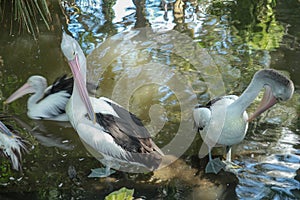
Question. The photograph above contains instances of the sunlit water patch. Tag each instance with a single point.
(270, 170)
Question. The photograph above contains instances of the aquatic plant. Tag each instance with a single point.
(24, 15)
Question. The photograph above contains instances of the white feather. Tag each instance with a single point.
(11, 146)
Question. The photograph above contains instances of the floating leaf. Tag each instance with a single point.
(121, 194)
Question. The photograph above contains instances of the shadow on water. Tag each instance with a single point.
(214, 48)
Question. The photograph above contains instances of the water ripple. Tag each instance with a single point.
(272, 175)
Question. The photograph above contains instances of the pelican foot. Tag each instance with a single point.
(214, 166)
(232, 167)
(101, 173)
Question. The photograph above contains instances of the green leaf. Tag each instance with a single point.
(121, 194)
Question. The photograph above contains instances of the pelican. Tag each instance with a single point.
(46, 102)
(224, 120)
(106, 127)
(11, 146)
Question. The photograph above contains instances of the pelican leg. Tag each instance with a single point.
(209, 155)
(230, 166)
(101, 172)
(228, 153)
(214, 165)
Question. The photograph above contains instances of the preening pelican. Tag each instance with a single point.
(11, 146)
(224, 121)
(46, 102)
(105, 126)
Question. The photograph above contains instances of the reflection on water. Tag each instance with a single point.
(269, 163)
(160, 76)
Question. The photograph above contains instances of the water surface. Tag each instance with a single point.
(214, 49)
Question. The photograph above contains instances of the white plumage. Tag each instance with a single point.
(46, 102)
(224, 121)
(11, 146)
(105, 127)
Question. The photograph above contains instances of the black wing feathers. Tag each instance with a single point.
(62, 83)
(211, 102)
(127, 130)
(129, 133)
(134, 125)
(121, 131)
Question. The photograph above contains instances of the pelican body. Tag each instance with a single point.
(105, 126)
(224, 120)
(11, 146)
(46, 102)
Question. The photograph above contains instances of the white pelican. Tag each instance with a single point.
(224, 120)
(11, 146)
(46, 102)
(105, 126)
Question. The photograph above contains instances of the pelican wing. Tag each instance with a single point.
(100, 140)
(52, 104)
(213, 101)
(51, 107)
(131, 123)
(62, 83)
(124, 133)
(107, 145)
(127, 130)
(202, 114)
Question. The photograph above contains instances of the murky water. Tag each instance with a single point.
(214, 48)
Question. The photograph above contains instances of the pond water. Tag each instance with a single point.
(158, 60)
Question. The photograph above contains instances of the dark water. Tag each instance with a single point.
(214, 48)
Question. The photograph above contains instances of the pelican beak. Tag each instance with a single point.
(267, 102)
(25, 89)
(75, 67)
(5, 130)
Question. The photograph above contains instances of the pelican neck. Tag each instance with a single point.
(247, 97)
(37, 96)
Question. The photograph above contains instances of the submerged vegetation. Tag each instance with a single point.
(24, 15)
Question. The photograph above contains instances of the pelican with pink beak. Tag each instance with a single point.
(46, 102)
(111, 133)
(224, 120)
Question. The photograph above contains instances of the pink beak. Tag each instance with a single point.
(25, 89)
(267, 102)
(75, 67)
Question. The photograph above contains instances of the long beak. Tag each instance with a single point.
(267, 102)
(5, 130)
(75, 67)
(25, 89)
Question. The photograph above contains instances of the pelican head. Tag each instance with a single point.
(34, 84)
(277, 88)
(73, 52)
(68, 46)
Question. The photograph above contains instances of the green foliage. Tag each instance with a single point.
(256, 22)
(121, 194)
(24, 15)
(5, 170)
